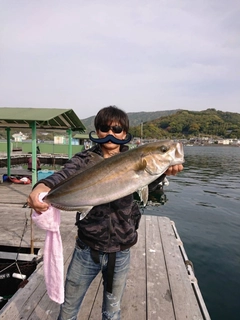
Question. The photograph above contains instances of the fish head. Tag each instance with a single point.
(159, 156)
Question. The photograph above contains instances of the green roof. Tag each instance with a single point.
(53, 119)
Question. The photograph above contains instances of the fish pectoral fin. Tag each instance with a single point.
(84, 211)
(140, 165)
(143, 195)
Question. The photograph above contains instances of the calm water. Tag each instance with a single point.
(204, 201)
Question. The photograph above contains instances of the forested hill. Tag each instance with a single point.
(187, 124)
(135, 118)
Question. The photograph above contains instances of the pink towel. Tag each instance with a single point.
(53, 252)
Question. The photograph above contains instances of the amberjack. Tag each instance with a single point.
(115, 177)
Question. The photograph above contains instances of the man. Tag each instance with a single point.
(106, 234)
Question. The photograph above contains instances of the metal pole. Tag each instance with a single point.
(8, 152)
(69, 131)
(34, 153)
(32, 239)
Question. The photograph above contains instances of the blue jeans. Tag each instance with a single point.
(81, 272)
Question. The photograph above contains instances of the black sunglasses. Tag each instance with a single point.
(106, 128)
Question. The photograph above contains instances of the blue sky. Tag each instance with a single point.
(140, 55)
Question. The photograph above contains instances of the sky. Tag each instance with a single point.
(139, 55)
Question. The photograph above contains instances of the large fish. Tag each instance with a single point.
(115, 177)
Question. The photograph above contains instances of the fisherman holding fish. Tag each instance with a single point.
(108, 217)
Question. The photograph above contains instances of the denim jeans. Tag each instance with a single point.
(81, 272)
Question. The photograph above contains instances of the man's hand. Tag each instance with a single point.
(173, 170)
(33, 198)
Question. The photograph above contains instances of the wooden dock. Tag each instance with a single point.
(161, 284)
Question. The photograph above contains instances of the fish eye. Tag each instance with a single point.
(163, 149)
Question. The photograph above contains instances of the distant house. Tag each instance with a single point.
(60, 140)
(235, 142)
(19, 137)
(84, 139)
(223, 141)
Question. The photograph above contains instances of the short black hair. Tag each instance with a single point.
(109, 114)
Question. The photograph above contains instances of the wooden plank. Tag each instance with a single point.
(21, 256)
(46, 308)
(15, 225)
(191, 275)
(92, 304)
(133, 304)
(49, 310)
(184, 301)
(159, 300)
(12, 193)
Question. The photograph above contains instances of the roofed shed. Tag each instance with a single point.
(38, 118)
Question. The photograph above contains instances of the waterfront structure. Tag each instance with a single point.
(38, 118)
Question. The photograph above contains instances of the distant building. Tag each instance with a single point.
(83, 139)
(60, 140)
(19, 137)
(236, 142)
(223, 141)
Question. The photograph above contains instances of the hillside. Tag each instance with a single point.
(135, 118)
(169, 124)
(186, 124)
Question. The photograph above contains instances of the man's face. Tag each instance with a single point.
(112, 128)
